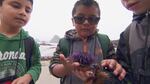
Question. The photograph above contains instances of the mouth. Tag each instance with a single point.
(132, 5)
(21, 20)
(85, 31)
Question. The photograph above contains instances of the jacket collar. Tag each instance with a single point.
(140, 17)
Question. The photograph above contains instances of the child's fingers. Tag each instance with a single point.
(110, 63)
(122, 75)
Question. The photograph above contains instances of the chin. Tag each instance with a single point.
(18, 26)
(139, 12)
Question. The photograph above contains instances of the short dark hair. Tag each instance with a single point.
(1, 1)
(87, 3)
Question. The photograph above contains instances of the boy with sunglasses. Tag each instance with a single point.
(14, 14)
(83, 41)
(134, 44)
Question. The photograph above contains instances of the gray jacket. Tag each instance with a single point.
(134, 50)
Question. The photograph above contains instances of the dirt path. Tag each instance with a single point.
(45, 76)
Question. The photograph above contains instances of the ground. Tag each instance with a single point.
(45, 76)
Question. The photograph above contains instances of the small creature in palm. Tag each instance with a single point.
(87, 62)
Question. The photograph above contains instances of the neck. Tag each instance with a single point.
(8, 31)
(139, 17)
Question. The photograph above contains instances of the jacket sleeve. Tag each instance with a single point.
(55, 58)
(122, 51)
(35, 69)
(123, 56)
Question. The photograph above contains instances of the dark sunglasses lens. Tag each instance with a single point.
(93, 20)
(79, 19)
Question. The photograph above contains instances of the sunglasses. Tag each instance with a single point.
(81, 19)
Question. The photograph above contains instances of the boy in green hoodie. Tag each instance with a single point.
(14, 14)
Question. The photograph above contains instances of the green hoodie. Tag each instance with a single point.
(71, 44)
(12, 49)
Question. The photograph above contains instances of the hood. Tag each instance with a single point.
(22, 34)
(72, 34)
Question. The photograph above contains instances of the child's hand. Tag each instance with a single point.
(69, 65)
(23, 80)
(83, 75)
(112, 64)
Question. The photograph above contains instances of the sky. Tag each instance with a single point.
(53, 17)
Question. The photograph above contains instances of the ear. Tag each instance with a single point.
(73, 22)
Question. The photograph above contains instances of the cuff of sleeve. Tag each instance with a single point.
(34, 76)
(51, 70)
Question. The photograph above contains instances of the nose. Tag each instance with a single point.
(86, 21)
(22, 12)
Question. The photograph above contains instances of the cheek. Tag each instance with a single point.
(148, 5)
(6, 17)
(28, 17)
(8, 14)
(92, 29)
(77, 28)
(86, 32)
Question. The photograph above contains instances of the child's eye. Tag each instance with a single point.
(28, 10)
(16, 5)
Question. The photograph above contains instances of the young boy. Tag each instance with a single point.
(19, 53)
(134, 44)
(84, 43)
